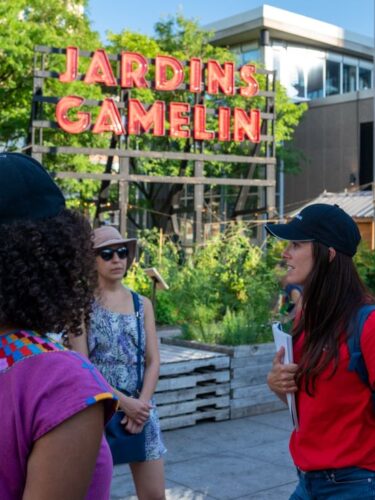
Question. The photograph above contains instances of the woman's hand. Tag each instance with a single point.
(136, 409)
(131, 426)
(281, 379)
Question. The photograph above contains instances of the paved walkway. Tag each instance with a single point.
(246, 458)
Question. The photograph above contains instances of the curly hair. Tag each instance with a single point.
(47, 274)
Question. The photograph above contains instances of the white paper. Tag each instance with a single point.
(283, 339)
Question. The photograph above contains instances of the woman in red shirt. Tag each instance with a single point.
(334, 447)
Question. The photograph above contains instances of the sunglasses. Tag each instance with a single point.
(108, 253)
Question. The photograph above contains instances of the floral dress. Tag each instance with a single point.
(112, 343)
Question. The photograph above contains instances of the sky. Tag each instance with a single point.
(140, 16)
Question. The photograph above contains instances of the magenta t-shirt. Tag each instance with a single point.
(41, 385)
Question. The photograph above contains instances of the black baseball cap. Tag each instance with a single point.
(27, 191)
(326, 224)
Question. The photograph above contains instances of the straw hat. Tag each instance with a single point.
(106, 236)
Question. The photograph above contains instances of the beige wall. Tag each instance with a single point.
(328, 137)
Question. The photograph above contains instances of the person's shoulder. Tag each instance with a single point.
(370, 320)
(368, 331)
(147, 304)
(40, 356)
(52, 382)
(146, 301)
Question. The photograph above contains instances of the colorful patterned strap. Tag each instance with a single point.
(20, 344)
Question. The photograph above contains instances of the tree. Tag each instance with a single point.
(23, 25)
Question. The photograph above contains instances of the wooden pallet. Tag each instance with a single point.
(168, 397)
(194, 385)
(194, 418)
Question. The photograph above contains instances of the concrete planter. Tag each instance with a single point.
(249, 365)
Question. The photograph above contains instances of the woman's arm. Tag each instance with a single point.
(137, 410)
(152, 368)
(281, 379)
(62, 461)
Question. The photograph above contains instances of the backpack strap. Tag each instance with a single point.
(357, 362)
(136, 304)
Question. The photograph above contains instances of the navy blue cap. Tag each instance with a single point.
(27, 191)
(326, 224)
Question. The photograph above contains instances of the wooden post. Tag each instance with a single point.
(271, 149)
(198, 202)
(123, 195)
(153, 295)
(160, 245)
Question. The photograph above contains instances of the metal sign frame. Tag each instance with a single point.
(124, 177)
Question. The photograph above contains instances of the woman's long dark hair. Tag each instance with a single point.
(332, 295)
(47, 274)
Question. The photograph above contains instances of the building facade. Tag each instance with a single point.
(332, 70)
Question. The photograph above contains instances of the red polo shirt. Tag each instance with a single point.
(337, 424)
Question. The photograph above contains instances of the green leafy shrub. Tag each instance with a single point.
(223, 293)
(365, 262)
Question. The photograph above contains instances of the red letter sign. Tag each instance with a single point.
(109, 119)
(219, 77)
(246, 73)
(131, 76)
(161, 78)
(244, 124)
(178, 120)
(224, 124)
(200, 132)
(62, 108)
(71, 65)
(195, 75)
(138, 117)
(100, 70)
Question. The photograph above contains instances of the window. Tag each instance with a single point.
(307, 73)
(250, 53)
(315, 79)
(349, 78)
(250, 56)
(364, 78)
(332, 77)
(296, 86)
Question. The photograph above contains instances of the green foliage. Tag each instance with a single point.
(25, 24)
(365, 262)
(223, 293)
